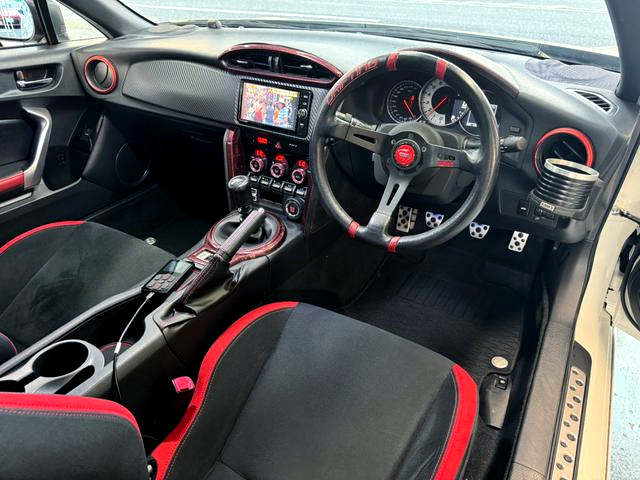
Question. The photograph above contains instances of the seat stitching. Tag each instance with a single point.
(211, 382)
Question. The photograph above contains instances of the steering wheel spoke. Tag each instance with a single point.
(447, 157)
(346, 127)
(397, 185)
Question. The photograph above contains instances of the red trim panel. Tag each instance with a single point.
(463, 423)
(392, 61)
(537, 162)
(33, 231)
(441, 68)
(64, 403)
(353, 228)
(281, 49)
(167, 449)
(110, 66)
(14, 182)
(393, 245)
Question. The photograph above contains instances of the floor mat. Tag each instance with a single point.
(467, 320)
(154, 213)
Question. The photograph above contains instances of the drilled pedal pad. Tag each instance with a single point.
(406, 219)
(433, 220)
(478, 230)
(518, 241)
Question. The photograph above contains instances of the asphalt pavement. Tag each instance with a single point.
(582, 23)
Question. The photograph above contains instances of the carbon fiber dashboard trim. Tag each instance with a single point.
(200, 90)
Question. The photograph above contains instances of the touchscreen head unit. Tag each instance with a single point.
(274, 107)
(271, 106)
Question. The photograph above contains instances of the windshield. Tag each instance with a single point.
(581, 24)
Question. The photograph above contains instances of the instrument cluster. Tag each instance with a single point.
(435, 102)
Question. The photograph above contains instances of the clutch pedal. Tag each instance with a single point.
(406, 219)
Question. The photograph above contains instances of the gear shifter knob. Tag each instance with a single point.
(241, 194)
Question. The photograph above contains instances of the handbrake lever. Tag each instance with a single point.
(217, 270)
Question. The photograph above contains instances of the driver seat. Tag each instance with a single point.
(289, 391)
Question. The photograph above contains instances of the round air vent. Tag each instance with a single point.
(100, 74)
(566, 144)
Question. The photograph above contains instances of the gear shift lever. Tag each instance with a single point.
(241, 194)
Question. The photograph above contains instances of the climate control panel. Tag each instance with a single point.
(278, 169)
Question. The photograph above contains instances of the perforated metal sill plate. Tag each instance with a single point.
(564, 464)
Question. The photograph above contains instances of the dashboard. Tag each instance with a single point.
(198, 75)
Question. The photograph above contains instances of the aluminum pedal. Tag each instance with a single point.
(518, 241)
(406, 219)
(433, 220)
(478, 230)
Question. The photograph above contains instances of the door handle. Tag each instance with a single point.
(29, 84)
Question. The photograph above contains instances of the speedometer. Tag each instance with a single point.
(440, 104)
(402, 101)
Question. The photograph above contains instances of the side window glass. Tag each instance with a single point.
(69, 25)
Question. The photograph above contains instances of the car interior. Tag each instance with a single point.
(285, 253)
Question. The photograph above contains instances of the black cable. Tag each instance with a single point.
(115, 387)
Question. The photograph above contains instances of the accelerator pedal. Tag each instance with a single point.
(518, 241)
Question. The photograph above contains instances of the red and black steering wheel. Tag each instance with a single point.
(406, 151)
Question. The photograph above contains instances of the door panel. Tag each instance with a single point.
(48, 134)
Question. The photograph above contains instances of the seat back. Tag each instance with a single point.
(68, 438)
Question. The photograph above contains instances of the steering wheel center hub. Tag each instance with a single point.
(406, 154)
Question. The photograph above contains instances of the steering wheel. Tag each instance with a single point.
(406, 151)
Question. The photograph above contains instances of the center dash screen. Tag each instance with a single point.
(271, 106)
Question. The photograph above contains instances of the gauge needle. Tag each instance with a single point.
(440, 103)
(408, 106)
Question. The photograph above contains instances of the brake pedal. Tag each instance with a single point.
(433, 220)
(406, 219)
(518, 241)
(478, 230)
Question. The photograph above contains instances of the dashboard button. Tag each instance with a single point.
(265, 182)
(523, 207)
(293, 208)
(288, 188)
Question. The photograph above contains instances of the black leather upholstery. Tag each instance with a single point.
(55, 272)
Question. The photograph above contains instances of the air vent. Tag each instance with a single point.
(598, 100)
(301, 67)
(100, 74)
(565, 144)
(280, 62)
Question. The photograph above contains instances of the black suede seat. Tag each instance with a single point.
(53, 273)
(290, 392)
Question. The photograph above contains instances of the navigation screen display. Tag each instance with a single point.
(270, 106)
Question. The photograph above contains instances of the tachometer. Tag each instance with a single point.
(440, 104)
(402, 101)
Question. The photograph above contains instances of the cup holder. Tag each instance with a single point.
(61, 359)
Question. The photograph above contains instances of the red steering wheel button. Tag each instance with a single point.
(404, 155)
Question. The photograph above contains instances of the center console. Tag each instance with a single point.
(275, 153)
